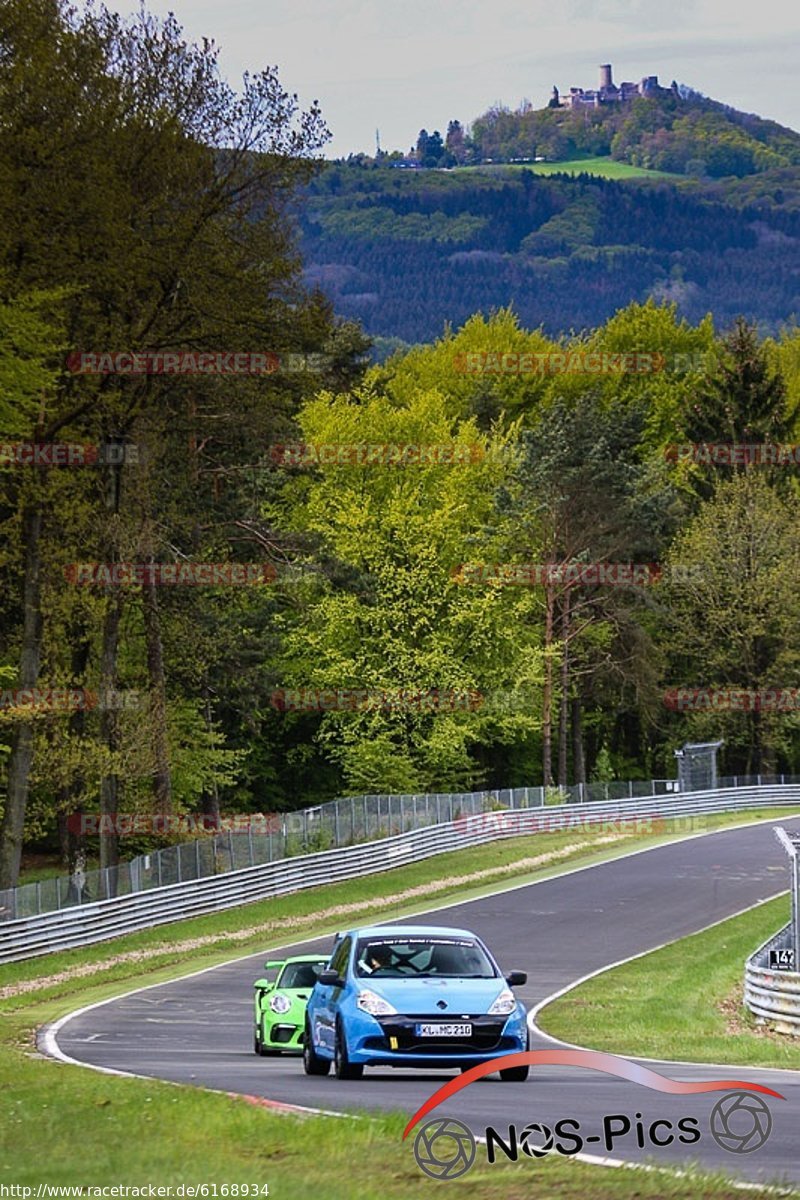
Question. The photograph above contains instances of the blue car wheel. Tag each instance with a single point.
(312, 1063)
(342, 1066)
(516, 1074)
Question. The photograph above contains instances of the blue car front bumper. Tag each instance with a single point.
(395, 1040)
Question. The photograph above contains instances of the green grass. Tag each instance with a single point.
(608, 168)
(681, 1002)
(67, 1125)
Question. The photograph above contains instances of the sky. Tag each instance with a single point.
(402, 66)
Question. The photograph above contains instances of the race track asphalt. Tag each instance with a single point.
(198, 1030)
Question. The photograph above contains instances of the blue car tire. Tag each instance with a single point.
(312, 1063)
(342, 1066)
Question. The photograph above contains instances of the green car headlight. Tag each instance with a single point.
(279, 1003)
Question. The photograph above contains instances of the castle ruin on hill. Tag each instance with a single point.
(608, 92)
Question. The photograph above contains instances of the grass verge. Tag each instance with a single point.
(69, 1126)
(681, 1002)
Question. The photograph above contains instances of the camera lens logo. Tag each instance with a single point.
(740, 1122)
(534, 1133)
(444, 1149)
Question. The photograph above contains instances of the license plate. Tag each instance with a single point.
(444, 1031)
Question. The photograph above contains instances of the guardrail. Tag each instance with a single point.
(328, 826)
(771, 979)
(105, 919)
(773, 996)
(335, 824)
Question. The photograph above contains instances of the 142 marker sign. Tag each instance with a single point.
(781, 960)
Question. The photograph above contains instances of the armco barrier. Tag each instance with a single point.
(771, 995)
(334, 824)
(106, 919)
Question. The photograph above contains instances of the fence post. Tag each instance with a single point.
(58, 892)
(230, 848)
(178, 860)
(39, 896)
(366, 819)
(197, 857)
(336, 838)
(158, 860)
(250, 843)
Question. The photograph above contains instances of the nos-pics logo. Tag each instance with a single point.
(445, 1148)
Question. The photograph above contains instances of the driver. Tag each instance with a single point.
(377, 958)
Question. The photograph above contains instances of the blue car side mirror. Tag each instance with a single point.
(330, 978)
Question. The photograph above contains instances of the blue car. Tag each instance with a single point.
(412, 996)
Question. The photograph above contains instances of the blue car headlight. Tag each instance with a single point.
(279, 1003)
(375, 1005)
(504, 1005)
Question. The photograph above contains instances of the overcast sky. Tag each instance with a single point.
(401, 65)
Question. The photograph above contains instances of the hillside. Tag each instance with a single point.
(673, 129)
(406, 251)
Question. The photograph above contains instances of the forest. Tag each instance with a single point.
(403, 252)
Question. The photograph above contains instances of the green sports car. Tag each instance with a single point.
(280, 1005)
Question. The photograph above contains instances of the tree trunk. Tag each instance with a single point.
(209, 801)
(162, 784)
(563, 707)
(109, 733)
(578, 756)
(19, 763)
(70, 810)
(547, 690)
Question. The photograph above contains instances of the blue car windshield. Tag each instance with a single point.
(300, 974)
(398, 957)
